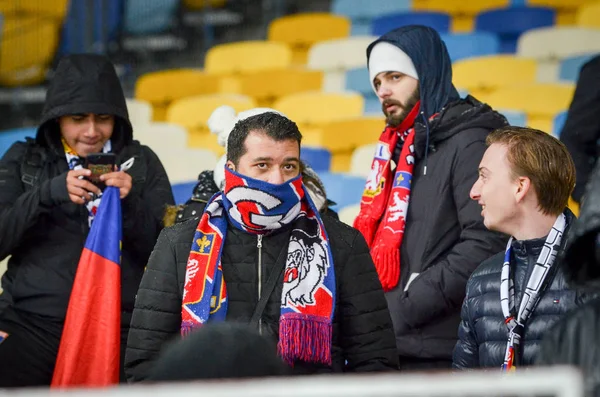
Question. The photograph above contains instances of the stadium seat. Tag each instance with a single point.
(559, 123)
(588, 15)
(184, 165)
(193, 113)
(314, 27)
(349, 213)
(551, 45)
(8, 137)
(358, 80)
(343, 136)
(514, 117)
(484, 74)
(510, 23)
(318, 158)
(56, 9)
(310, 108)
(437, 20)
(24, 57)
(201, 4)
(467, 45)
(362, 158)
(461, 11)
(269, 85)
(140, 112)
(182, 191)
(342, 188)
(362, 12)
(541, 102)
(566, 10)
(162, 137)
(247, 56)
(143, 17)
(334, 57)
(570, 67)
(163, 87)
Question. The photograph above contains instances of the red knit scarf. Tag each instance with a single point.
(384, 203)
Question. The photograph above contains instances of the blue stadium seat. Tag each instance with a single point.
(183, 191)
(362, 12)
(343, 189)
(465, 45)
(149, 16)
(559, 123)
(358, 80)
(570, 67)
(8, 137)
(515, 117)
(439, 21)
(318, 158)
(106, 22)
(509, 23)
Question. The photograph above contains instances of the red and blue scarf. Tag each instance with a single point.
(308, 297)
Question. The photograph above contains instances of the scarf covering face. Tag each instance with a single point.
(308, 297)
(384, 203)
(538, 281)
(76, 163)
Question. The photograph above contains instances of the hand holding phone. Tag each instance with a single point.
(100, 164)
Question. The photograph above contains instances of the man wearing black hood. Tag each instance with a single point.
(429, 152)
(46, 210)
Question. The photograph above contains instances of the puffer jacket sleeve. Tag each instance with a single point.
(440, 289)
(143, 214)
(20, 209)
(466, 351)
(157, 314)
(367, 336)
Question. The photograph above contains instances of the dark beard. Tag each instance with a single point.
(395, 120)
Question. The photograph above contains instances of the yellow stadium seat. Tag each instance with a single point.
(43, 8)
(573, 206)
(163, 87)
(482, 75)
(200, 4)
(310, 108)
(267, 86)
(247, 56)
(193, 113)
(462, 12)
(27, 48)
(541, 102)
(346, 135)
(301, 31)
(566, 10)
(589, 15)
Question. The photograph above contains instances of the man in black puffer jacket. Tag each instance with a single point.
(45, 212)
(525, 179)
(425, 254)
(308, 282)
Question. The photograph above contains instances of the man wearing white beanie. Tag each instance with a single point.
(428, 155)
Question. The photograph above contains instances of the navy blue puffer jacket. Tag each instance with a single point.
(482, 332)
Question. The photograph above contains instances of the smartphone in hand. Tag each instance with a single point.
(99, 164)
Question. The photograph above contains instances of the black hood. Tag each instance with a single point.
(429, 55)
(85, 83)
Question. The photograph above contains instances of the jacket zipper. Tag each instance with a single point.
(259, 246)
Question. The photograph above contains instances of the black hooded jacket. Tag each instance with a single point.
(444, 237)
(41, 229)
(574, 339)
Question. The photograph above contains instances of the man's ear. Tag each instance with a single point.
(229, 164)
(523, 186)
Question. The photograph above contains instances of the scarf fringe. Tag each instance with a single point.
(387, 264)
(305, 337)
(186, 328)
(367, 226)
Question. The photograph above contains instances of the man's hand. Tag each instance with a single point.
(79, 189)
(119, 179)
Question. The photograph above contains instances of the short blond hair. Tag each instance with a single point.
(544, 160)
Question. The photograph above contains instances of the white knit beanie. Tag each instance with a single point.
(386, 57)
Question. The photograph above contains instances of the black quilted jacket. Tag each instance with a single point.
(482, 332)
(362, 330)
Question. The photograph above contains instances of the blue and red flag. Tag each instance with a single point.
(90, 344)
